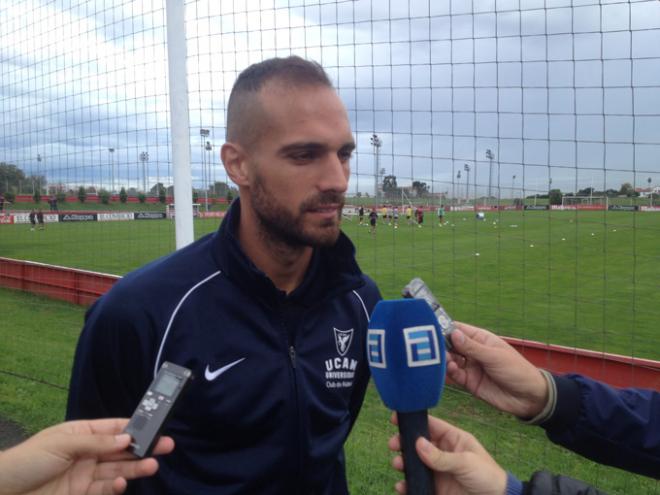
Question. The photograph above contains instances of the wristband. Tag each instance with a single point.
(550, 405)
(513, 485)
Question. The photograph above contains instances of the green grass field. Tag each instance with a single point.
(39, 345)
(585, 279)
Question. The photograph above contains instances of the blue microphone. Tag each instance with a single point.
(406, 355)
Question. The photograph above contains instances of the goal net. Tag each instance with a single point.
(596, 202)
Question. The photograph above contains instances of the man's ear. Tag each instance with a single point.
(235, 161)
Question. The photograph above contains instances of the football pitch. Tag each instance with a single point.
(585, 279)
(576, 278)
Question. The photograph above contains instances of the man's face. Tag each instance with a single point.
(299, 166)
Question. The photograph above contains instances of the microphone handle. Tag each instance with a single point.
(419, 478)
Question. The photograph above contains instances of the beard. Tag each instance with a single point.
(283, 226)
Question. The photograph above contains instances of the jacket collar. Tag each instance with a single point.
(332, 270)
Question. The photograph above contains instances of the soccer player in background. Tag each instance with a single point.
(40, 219)
(33, 218)
(373, 220)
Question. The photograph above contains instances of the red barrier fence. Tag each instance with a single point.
(84, 287)
(617, 370)
(57, 282)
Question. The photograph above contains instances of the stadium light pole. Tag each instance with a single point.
(112, 167)
(204, 133)
(458, 179)
(38, 170)
(490, 156)
(513, 187)
(650, 192)
(212, 178)
(209, 148)
(376, 142)
(144, 158)
(157, 178)
(466, 167)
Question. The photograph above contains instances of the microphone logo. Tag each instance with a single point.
(376, 348)
(422, 347)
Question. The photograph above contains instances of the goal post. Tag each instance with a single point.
(171, 210)
(600, 202)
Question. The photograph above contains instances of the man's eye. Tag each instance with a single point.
(345, 156)
(302, 157)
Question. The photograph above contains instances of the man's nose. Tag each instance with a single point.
(334, 174)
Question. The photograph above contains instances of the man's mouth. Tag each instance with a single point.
(327, 211)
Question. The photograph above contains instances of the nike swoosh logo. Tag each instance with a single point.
(212, 375)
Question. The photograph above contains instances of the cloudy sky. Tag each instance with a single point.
(558, 90)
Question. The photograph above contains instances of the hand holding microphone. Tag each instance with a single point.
(406, 355)
(460, 463)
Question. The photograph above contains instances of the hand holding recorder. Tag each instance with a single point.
(76, 458)
(484, 364)
(492, 370)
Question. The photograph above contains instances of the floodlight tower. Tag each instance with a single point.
(466, 167)
(376, 143)
(490, 156)
(513, 185)
(208, 147)
(144, 158)
(204, 133)
(112, 167)
(650, 192)
(209, 161)
(38, 171)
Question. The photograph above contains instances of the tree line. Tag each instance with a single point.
(14, 181)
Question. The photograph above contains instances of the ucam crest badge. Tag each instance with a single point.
(343, 340)
(340, 371)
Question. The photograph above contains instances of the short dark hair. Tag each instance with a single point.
(244, 110)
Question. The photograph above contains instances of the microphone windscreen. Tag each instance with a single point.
(406, 354)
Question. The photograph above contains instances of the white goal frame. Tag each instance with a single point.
(584, 200)
(171, 214)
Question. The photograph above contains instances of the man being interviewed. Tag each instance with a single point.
(270, 312)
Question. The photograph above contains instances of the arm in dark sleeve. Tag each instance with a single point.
(111, 368)
(617, 427)
(545, 483)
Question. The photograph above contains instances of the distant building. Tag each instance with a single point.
(645, 192)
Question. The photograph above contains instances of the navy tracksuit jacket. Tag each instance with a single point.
(273, 423)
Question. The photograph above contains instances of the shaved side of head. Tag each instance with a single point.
(246, 117)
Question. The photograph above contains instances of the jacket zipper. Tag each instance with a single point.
(292, 356)
(291, 349)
